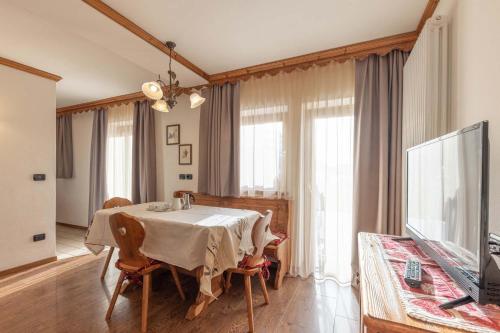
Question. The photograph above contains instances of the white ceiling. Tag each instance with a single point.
(97, 58)
(221, 35)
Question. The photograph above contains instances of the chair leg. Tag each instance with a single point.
(146, 287)
(115, 295)
(263, 286)
(248, 296)
(177, 281)
(106, 263)
(228, 281)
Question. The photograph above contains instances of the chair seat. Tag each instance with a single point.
(153, 265)
(247, 266)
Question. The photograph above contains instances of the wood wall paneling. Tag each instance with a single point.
(280, 207)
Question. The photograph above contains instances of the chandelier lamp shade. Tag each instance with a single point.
(165, 94)
(152, 90)
(196, 100)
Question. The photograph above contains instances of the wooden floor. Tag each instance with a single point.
(75, 300)
(69, 242)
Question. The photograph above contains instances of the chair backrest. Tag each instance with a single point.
(116, 202)
(180, 194)
(259, 234)
(129, 235)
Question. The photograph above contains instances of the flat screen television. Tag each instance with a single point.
(447, 210)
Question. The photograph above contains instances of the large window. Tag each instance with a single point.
(119, 152)
(297, 143)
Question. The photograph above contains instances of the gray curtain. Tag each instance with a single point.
(143, 154)
(64, 146)
(219, 155)
(97, 188)
(378, 110)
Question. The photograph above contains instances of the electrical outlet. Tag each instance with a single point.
(182, 176)
(38, 237)
(189, 176)
(39, 177)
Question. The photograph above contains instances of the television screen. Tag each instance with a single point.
(444, 198)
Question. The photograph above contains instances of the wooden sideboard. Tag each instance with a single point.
(381, 308)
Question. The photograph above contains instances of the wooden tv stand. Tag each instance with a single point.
(381, 308)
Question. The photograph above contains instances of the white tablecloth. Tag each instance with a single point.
(212, 237)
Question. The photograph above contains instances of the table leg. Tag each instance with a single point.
(202, 301)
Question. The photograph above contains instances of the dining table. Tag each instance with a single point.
(204, 240)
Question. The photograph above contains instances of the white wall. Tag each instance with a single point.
(73, 194)
(27, 146)
(168, 168)
(475, 77)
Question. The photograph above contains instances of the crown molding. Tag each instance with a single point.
(117, 100)
(361, 50)
(29, 69)
(106, 102)
(143, 34)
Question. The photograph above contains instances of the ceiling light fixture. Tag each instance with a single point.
(196, 100)
(166, 95)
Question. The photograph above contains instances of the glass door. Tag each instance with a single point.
(332, 184)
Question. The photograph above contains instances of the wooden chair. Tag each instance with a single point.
(252, 265)
(129, 235)
(112, 203)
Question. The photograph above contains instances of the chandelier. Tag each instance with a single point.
(164, 94)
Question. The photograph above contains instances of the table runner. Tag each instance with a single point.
(212, 237)
(437, 288)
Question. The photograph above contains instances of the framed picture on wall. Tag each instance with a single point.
(173, 134)
(185, 154)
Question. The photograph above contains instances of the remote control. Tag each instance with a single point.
(413, 273)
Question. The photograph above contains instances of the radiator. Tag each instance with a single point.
(426, 113)
(426, 106)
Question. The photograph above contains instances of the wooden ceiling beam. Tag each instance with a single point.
(354, 51)
(29, 69)
(428, 12)
(143, 34)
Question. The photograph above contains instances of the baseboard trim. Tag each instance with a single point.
(72, 226)
(25, 267)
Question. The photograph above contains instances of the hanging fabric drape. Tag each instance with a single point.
(143, 154)
(119, 151)
(219, 157)
(377, 145)
(64, 146)
(296, 143)
(97, 182)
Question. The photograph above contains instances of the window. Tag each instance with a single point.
(261, 159)
(119, 152)
(261, 152)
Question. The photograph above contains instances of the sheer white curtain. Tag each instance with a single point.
(119, 151)
(298, 145)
